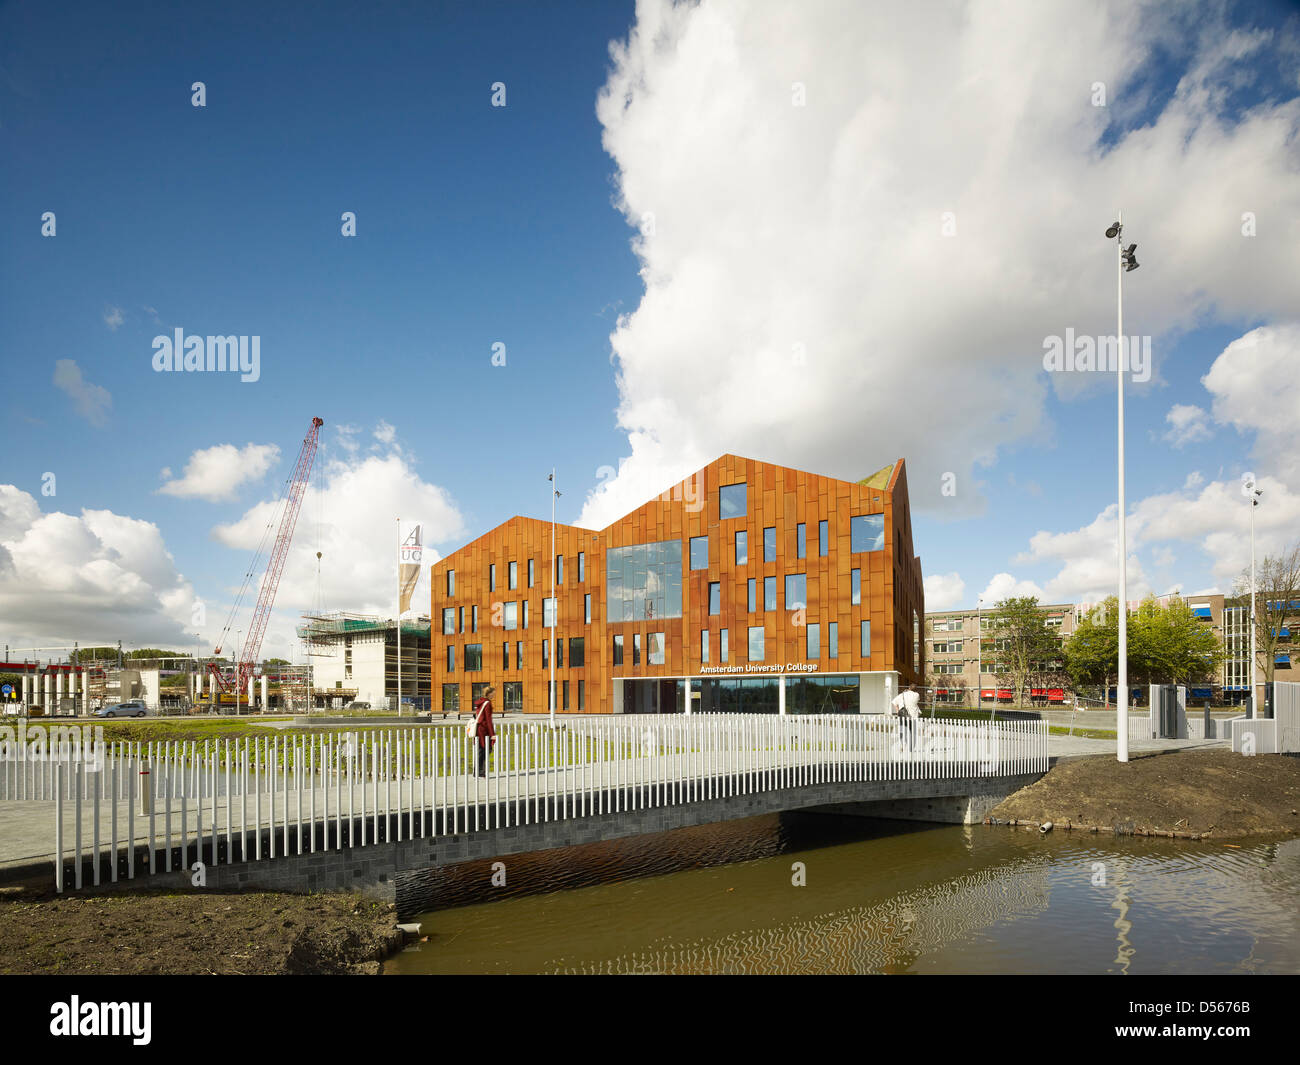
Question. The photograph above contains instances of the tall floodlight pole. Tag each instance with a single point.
(1254, 494)
(1124, 262)
(555, 606)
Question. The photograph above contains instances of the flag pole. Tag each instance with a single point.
(399, 617)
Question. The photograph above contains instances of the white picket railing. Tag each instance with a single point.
(229, 801)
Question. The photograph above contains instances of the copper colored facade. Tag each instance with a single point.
(660, 578)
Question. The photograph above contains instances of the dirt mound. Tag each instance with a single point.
(254, 933)
(1186, 792)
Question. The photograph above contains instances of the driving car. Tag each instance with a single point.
(130, 708)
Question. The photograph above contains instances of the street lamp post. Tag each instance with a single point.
(1254, 494)
(1125, 261)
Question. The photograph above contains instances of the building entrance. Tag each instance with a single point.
(651, 697)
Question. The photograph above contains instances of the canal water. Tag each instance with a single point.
(878, 897)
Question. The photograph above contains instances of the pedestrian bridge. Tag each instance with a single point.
(354, 810)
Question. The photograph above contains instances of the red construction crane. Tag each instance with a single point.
(293, 494)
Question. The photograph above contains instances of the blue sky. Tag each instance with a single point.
(524, 225)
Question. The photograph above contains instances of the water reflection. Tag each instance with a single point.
(880, 897)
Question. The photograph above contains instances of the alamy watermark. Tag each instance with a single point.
(239, 354)
(1089, 354)
(57, 743)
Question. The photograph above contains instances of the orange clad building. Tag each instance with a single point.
(747, 587)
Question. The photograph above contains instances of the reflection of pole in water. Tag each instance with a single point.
(1123, 925)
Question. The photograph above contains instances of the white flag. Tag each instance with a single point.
(410, 556)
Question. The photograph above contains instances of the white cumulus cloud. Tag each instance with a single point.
(944, 591)
(1187, 424)
(213, 473)
(94, 577)
(802, 302)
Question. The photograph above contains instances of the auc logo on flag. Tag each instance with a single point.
(411, 553)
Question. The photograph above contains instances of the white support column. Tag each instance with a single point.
(264, 690)
(688, 696)
(780, 695)
(250, 692)
(85, 693)
(49, 697)
(27, 690)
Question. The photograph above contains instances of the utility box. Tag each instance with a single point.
(1168, 712)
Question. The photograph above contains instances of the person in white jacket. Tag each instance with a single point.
(907, 708)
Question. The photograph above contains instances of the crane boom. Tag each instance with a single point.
(279, 553)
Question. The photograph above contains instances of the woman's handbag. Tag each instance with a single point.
(471, 730)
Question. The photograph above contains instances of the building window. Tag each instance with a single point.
(448, 620)
(519, 654)
(451, 658)
(451, 698)
(753, 595)
(796, 591)
(473, 657)
(823, 538)
(856, 594)
(742, 547)
(769, 544)
(724, 650)
(699, 552)
(801, 540)
(756, 643)
(732, 501)
(582, 566)
(510, 620)
(473, 618)
(833, 640)
(492, 577)
(636, 648)
(655, 649)
(566, 695)
(867, 533)
(643, 581)
(559, 653)
(559, 569)
(704, 645)
(512, 576)
(586, 608)
(530, 573)
(813, 650)
(546, 653)
(460, 612)
(769, 593)
(525, 613)
(582, 696)
(947, 647)
(577, 652)
(451, 583)
(505, 655)
(866, 639)
(618, 650)
(548, 613)
(513, 696)
(715, 597)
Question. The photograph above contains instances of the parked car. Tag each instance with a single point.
(354, 705)
(130, 708)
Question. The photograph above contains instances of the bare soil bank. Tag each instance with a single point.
(1198, 794)
(259, 933)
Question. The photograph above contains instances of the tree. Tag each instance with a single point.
(1176, 647)
(1021, 639)
(1277, 588)
(1166, 645)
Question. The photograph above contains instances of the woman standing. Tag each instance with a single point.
(483, 727)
